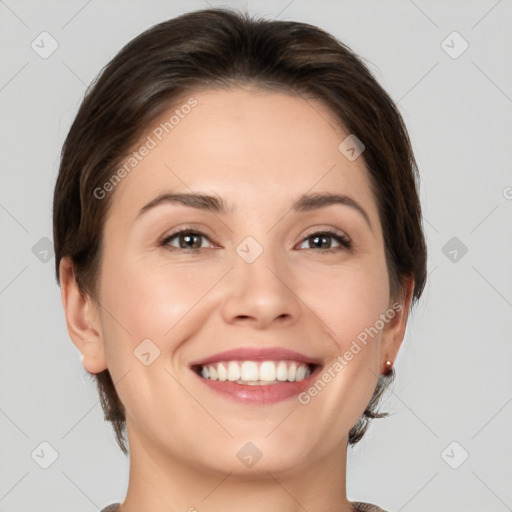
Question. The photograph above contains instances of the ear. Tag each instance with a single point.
(82, 320)
(394, 330)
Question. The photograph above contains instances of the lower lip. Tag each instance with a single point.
(265, 394)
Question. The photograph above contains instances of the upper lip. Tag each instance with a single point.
(257, 354)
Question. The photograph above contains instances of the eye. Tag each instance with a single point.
(186, 239)
(324, 240)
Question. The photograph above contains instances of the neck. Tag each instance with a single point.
(158, 484)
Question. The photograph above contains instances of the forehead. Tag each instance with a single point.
(249, 146)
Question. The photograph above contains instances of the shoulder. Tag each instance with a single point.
(366, 507)
(359, 506)
(111, 508)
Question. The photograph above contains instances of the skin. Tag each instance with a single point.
(259, 151)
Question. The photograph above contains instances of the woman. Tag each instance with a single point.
(238, 242)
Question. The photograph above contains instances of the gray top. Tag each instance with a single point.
(360, 507)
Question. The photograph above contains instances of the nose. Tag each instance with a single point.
(260, 293)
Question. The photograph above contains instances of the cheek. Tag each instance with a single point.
(160, 304)
(154, 302)
(349, 298)
(349, 301)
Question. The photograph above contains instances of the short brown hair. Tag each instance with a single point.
(223, 48)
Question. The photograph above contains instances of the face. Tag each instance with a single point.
(261, 314)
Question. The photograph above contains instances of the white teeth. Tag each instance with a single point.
(256, 373)
(301, 373)
(282, 371)
(292, 372)
(213, 373)
(268, 371)
(249, 371)
(233, 371)
(222, 372)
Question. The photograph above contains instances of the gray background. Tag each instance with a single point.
(454, 381)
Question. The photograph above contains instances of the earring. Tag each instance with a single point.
(388, 369)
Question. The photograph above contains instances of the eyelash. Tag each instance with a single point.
(342, 239)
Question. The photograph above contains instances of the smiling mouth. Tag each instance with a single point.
(256, 373)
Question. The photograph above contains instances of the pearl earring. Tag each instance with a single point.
(388, 369)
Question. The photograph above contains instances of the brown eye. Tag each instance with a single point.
(186, 240)
(324, 240)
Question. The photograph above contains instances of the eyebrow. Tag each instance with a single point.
(215, 204)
